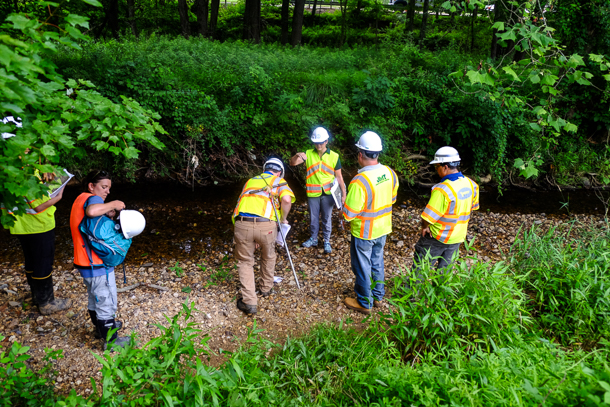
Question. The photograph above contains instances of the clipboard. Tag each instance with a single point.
(335, 191)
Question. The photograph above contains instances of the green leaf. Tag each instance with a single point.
(93, 3)
(498, 26)
(77, 20)
(534, 78)
(512, 73)
(570, 127)
(47, 150)
(535, 126)
(575, 60)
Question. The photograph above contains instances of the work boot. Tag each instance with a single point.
(353, 304)
(310, 242)
(96, 333)
(58, 304)
(28, 277)
(45, 297)
(327, 248)
(103, 326)
(266, 293)
(379, 303)
(248, 309)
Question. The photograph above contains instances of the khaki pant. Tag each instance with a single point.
(247, 234)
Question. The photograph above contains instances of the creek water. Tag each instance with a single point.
(193, 224)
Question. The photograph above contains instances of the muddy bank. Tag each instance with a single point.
(187, 246)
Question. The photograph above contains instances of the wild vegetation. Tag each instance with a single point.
(485, 334)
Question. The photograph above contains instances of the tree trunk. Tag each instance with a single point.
(297, 22)
(424, 22)
(131, 16)
(410, 17)
(343, 8)
(285, 36)
(252, 21)
(472, 26)
(113, 17)
(214, 18)
(313, 13)
(201, 10)
(184, 18)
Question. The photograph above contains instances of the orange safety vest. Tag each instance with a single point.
(81, 257)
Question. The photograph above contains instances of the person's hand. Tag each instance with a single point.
(117, 205)
(48, 177)
(284, 221)
(426, 231)
(302, 156)
(342, 199)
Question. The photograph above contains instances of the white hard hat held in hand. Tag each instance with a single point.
(445, 155)
(132, 223)
(319, 135)
(370, 141)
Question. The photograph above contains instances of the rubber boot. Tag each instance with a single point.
(47, 303)
(93, 315)
(103, 326)
(28, 276)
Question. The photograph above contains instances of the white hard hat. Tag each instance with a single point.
(445, 155)
(10, 119)
(275, 164)
(319, 135)
(132, 223)
(370, 141)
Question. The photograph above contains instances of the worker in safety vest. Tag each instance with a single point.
(323, 168)
(368, 207)
(255, 223)
(35, 230)
(445, 218)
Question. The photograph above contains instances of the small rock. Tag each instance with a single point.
(208, 316)
(400, 243)
(39, 319)
(14, 303)
(40, 329)
(225, 313)
(10, 291)
(69, 278)
(176, 294)
(13, 338)
(147, 265)
(70, 314)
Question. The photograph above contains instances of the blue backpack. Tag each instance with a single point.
(105, 239)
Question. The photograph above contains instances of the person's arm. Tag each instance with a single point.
(286, 204)
(355, 201)
(47, 204)
(339, 177)
(95, 210)
(297, 159)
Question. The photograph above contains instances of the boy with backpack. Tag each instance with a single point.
(97, 247)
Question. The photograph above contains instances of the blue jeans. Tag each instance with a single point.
(367, 265)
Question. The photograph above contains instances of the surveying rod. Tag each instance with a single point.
(285, 242)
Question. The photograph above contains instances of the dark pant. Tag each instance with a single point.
(39, 252)
(437, 252)
(321, 205)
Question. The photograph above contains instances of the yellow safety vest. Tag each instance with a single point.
(448, 210)
(320, 172)
(369, 200)
(259, 203)
(33, 222)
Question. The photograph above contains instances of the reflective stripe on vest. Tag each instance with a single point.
(462, 198)
(320, 172)
(375, 218)
(80, 250)
(259, 203)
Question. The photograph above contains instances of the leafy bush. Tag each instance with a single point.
(567, 275)
(478, 307)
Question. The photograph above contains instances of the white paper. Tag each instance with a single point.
(335, 191)
(285, 228)
(277, 280)
(65, 178)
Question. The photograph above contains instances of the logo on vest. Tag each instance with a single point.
(381, 179)
(464, 193)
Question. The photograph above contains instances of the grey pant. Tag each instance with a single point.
(437, 251)
(102, 295)
(324, 204)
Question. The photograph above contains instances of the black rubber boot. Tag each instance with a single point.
(93, 315)
(47, 303)
(103, 326)
(28, 276)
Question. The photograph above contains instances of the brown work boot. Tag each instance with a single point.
(58, 304)
(353, 304)
(379, 303)
(247, 308)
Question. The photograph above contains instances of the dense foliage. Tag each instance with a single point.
(466, 339)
